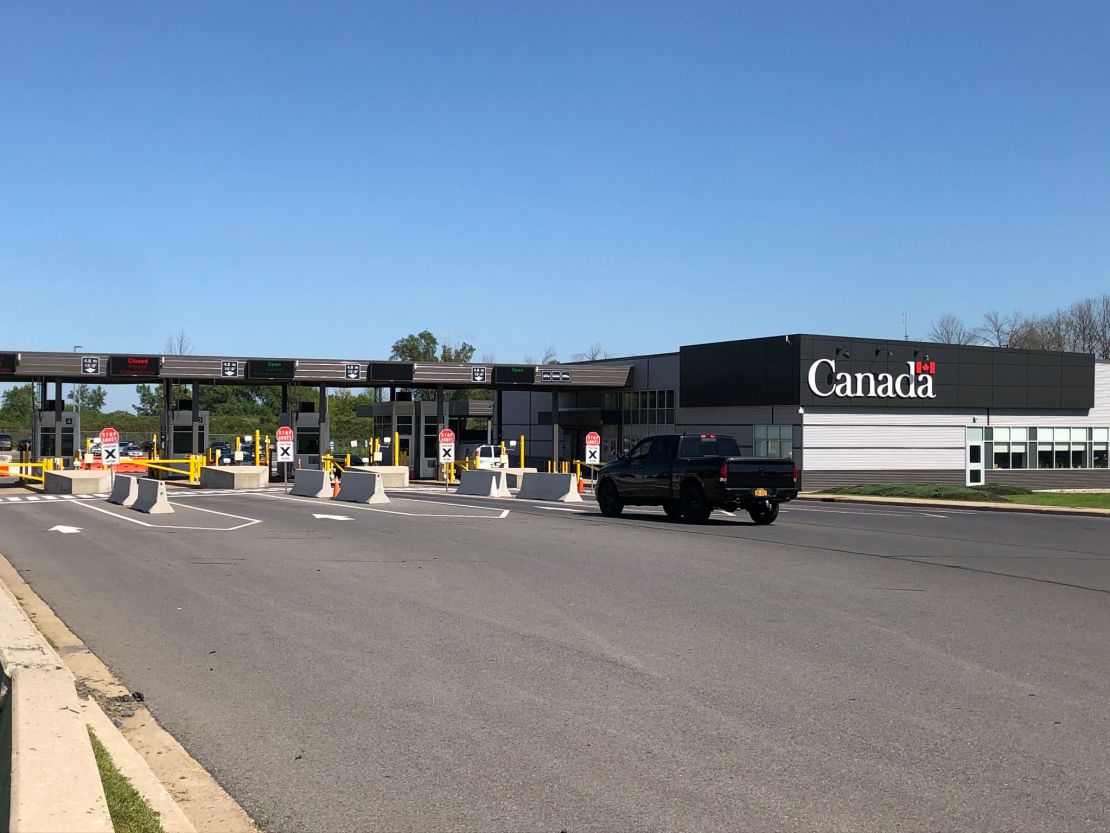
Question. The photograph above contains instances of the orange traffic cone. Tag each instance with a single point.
(581, 487)
(334, 487)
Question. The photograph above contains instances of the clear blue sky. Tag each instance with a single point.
(528, 174)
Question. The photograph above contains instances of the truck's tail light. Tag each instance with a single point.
(724, 473)
(795, 474)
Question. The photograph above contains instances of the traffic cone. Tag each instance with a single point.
(334, 487)
(581, 487)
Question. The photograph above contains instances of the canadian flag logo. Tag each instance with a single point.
(925, 367)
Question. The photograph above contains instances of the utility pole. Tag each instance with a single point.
(77, 388)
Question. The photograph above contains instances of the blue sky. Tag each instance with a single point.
(321, 179)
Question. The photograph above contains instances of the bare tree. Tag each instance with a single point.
(488, 358)
(529, 358)
(179, 345)
(949, 329)
(997, 330)
(594, 352)
(550, 355)
(1102, 319)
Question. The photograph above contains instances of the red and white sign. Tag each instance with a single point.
(593, 448)
(109, 447)
(284, 448)
(446, 446)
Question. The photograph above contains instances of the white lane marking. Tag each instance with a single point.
(51, 497)
(565, 509)
(332, 517)
(503, 514)
(457, 505)
(14, 499)
(65, 530)
(249, 521)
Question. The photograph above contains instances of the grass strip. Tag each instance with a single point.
(991, 492)
(130, 814)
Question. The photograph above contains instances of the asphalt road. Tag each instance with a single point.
(440, 667)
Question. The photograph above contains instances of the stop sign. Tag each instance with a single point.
(109, 436)
(446, 437)
(285, 434)
(593, 438)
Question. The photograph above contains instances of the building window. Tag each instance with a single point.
(647, 412)
(774, 440)
(1047, 448)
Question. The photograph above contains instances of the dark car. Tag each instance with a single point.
(6, 442)
(690, 475)
(223, 451)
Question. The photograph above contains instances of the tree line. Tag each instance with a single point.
(1083, 327)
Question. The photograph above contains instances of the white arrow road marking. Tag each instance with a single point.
(332, 517)
(65, 530)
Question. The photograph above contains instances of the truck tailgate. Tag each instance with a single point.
(761, 472)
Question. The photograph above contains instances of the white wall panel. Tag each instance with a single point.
(883, 436)
(899, 416)
(849, 459)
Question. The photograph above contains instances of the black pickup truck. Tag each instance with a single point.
(690, 475)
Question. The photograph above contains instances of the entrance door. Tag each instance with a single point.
(973, 458)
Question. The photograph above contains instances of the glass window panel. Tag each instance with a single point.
(760, 448)
(1079, 435)
(761, 432)
(1001, 434)
(1100, 434)
(1017, 435)
(975, 454)
(1061, 434)
(1079, 457)
(1063, 459)
(974, 435)
(1032, 433)
(1001, 458)
(975, 476)
(670, 416)
(1099, 456)
(1044, 456)
(670, 399)
(988, 433)
(1017, 458)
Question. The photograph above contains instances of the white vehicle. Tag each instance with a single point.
(490, 457)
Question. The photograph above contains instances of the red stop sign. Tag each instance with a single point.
(285, 434)
(593, 438)
(109, 436)
(446, 437)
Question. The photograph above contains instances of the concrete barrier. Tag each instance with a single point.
(55, 784)
(560, 487)
(362, 487)
(152, 498)
(393, 477)
(234, 477)
(484, 483)
(311, 483)
(77, 482)
(514, 478)
(125, 490)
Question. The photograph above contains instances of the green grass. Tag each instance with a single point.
(1085, 500)
(130, 814)
(931, 491)
(991, 492)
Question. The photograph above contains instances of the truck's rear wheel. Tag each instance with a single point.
(695, 508)
(608, 500)
(765, 513)
(673, 508)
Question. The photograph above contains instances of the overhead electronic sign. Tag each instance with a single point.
(271, 368)
(390, 372)
(8, 362)
(507, 375)
(134, 365)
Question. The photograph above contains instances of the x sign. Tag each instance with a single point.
(284, 451)
(110, 456)
(593, 454)
(447, 454)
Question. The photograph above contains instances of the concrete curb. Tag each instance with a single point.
(985, 506)
(55, 783)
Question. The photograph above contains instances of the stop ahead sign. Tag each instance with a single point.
(446, 437)
(593, 438)
(109, 436)
(285, 434)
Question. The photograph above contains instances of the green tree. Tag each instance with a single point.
(87, 398)
(16, 405)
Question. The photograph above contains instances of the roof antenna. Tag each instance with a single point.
(906, 325)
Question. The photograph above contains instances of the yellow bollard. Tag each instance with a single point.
(238, 443)
(396, 448)
(522, 451)
(347, 460)
(257, 445)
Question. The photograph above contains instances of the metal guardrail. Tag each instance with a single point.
(26, 470)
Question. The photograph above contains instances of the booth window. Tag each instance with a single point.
(773, 440)
(650, 411)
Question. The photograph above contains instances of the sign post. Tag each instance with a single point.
(593, 449)
(447, 454)
(109, 450)
(285, 452)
